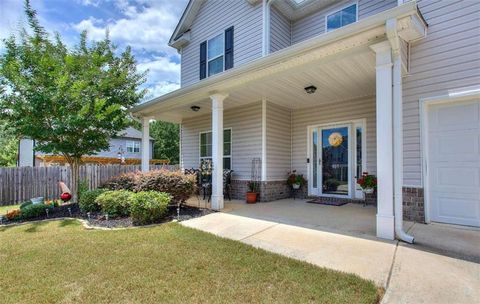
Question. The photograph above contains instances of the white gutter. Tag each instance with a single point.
(392, 34)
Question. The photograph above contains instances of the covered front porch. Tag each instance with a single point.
(281, 108)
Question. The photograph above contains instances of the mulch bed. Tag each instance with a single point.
(99, 219)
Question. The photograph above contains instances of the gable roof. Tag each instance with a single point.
(131, 132)
(186, 20)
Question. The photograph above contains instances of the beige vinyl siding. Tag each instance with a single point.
(278, 142)
(448, 58)
(363, 108)
(280, 31)
(314, 24)
(213, 18)
(246, 125)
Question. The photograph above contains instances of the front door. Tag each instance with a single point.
(336, 156)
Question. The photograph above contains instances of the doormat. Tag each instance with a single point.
(322, 201)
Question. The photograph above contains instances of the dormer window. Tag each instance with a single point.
(216, 54)
(342, 17)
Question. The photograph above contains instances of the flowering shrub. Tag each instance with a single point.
(367, 181)
(294, 178)
(53, 203)
(13, 214)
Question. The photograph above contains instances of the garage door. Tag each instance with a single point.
(454, 162)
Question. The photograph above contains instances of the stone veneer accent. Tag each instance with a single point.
(413, 204)
(413, 198)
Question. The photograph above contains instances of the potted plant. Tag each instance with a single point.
(252, 192)
(367, 182)
(295, 180)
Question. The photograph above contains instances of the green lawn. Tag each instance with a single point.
(3, 209)
(59, 261)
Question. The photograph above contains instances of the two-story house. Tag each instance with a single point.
(394, 85)
(123, 149)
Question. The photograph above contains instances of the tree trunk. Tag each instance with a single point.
(74, 163)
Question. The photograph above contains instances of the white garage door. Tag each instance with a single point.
(454, 162)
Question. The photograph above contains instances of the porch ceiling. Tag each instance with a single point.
(336, 80)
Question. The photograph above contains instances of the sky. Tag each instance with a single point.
(145, 25)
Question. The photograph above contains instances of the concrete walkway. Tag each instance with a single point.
(409, 273)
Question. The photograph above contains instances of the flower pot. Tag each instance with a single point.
(368, 190)
(296, 186)
(251, 197)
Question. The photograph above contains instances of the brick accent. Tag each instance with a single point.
(413, 204)
(269, 190)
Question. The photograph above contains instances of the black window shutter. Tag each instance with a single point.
(229, 48)
(203, 60)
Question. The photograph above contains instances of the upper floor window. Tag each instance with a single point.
(342, 17)
(133, 146)
(216, 54)
(215, 51)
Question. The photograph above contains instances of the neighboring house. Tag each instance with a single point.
(125, 147)
(397, 81)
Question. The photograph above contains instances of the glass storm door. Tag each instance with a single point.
(330, 155)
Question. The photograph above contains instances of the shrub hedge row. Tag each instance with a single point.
(178, 185)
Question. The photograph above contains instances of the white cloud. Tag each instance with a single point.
(161, 88)
(148, 26)
(11, 17)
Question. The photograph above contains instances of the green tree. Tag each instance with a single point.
(9, 146)
(71, 101)
(166, 136)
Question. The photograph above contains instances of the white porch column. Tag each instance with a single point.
(385, 217)
(145, 144)
(217, 150)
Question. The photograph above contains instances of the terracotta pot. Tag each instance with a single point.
(251, 197)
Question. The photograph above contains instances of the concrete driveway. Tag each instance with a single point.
(443, 267)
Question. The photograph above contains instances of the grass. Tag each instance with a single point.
(4, 209)
(60, 261)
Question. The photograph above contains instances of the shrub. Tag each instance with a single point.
(125, 181)
(178, 185)
(86, 201)
(25, 204)
(149, 206)
(35, 210)
(13, 214)
(115, 203)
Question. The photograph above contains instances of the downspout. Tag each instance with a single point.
(392, 34)
(266, 4)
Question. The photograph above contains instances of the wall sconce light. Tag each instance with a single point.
(195, 108)
(310, 89)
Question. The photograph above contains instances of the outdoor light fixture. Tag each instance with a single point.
(310, 89)
(195, 108)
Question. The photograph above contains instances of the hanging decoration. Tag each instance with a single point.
(335, 139)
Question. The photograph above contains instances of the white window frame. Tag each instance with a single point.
(223, 54)
(210, 157)
(339, 10)
(133, 145)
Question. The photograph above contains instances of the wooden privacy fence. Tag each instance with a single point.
(22, 183)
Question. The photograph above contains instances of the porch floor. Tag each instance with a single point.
(353, 219)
